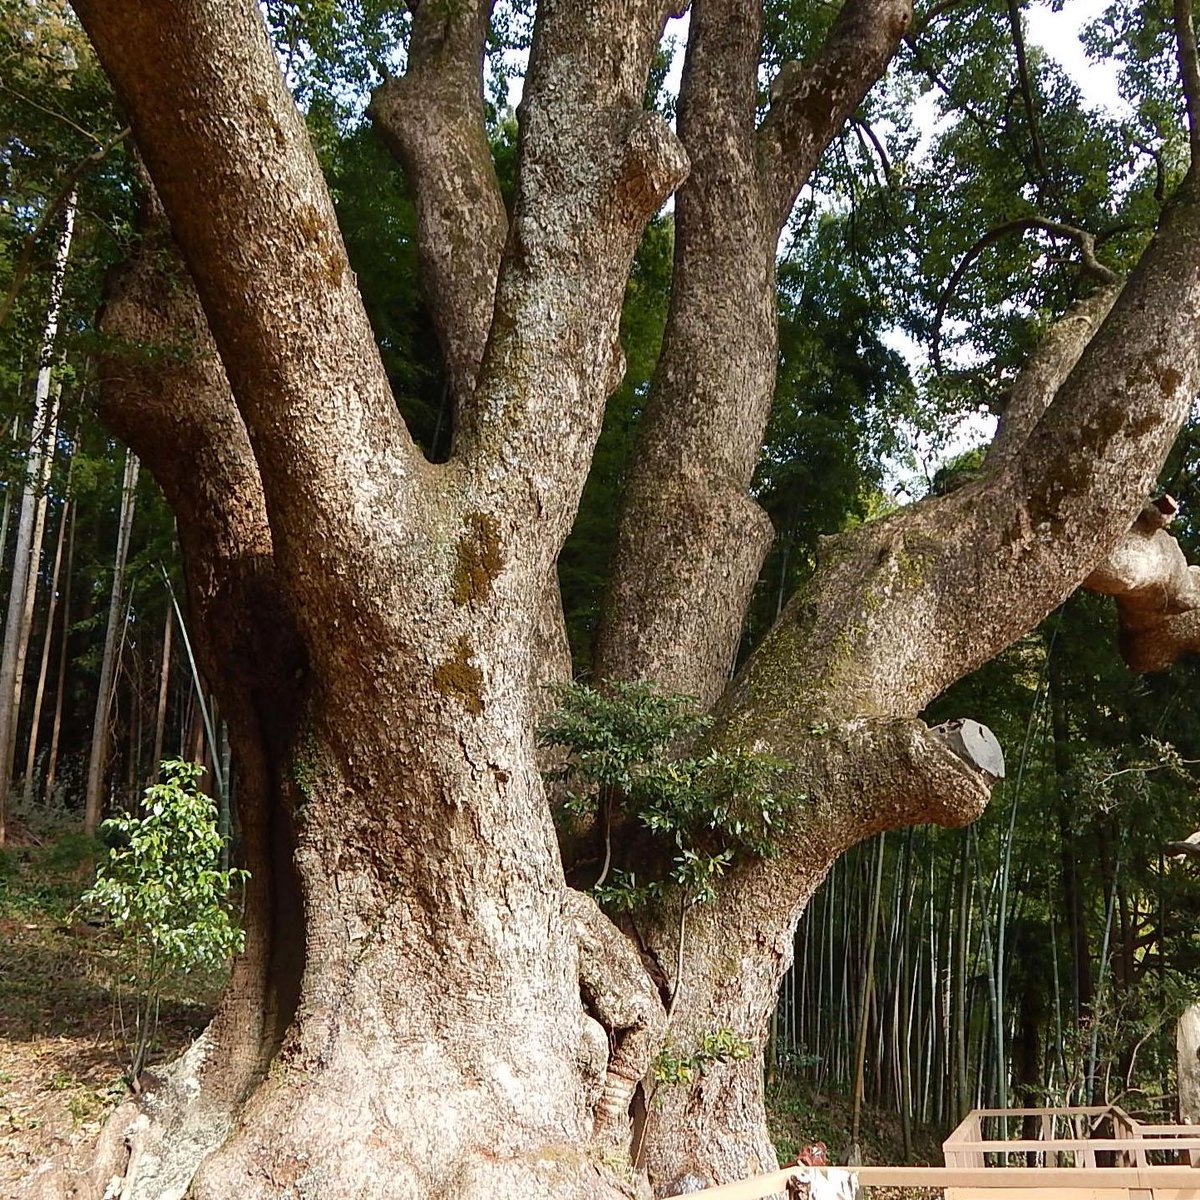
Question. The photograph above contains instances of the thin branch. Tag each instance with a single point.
(1081, 237)
(934, 76)
(52, 112)
(1189, 70)
(1018, 35)
(862, 128)
(25, 257)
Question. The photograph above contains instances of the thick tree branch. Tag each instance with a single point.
(594, 166)
(855, 778)
(902, 607)
(690, 540)
(433, 120)
(1043, 373)
(254, 221)
(811, 101)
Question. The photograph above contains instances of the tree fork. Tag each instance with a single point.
(691, 541)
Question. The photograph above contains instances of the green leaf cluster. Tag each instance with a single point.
(161, 885)
(628, 751)
(671, 1067)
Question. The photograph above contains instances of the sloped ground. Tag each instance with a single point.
(60, 1054)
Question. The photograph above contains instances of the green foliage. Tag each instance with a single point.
(671, 1067)
(162, 888)
(627, 752)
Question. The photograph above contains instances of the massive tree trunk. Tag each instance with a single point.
(439, 1044)
(425, 1009)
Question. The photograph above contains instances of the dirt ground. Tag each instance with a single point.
(60, 1063)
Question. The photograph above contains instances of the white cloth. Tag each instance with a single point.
(830, 1183)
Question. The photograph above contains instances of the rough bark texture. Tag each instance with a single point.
(691, 540)
(1052, 361)
(1157, 592)
(442, 1017)
(432, 119)
(854, 779)
(1187, 1051)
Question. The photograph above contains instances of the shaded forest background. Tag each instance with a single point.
(1043, 954)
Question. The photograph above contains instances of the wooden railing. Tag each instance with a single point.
(1087, 1153)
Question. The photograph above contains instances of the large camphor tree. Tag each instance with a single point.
(424, 1007)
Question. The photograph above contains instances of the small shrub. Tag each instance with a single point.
(163, 891)
(629, 749)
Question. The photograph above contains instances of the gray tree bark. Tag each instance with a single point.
(1187, 1051)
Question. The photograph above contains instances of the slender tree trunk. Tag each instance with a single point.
(36, 475)
(56, 725)
(98, 757)
(860, 1045)
(7, 511)
(44, 664)
(160, 709)
(901, 974)
(962, 1087)
(1068, 841)
(31, 585)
